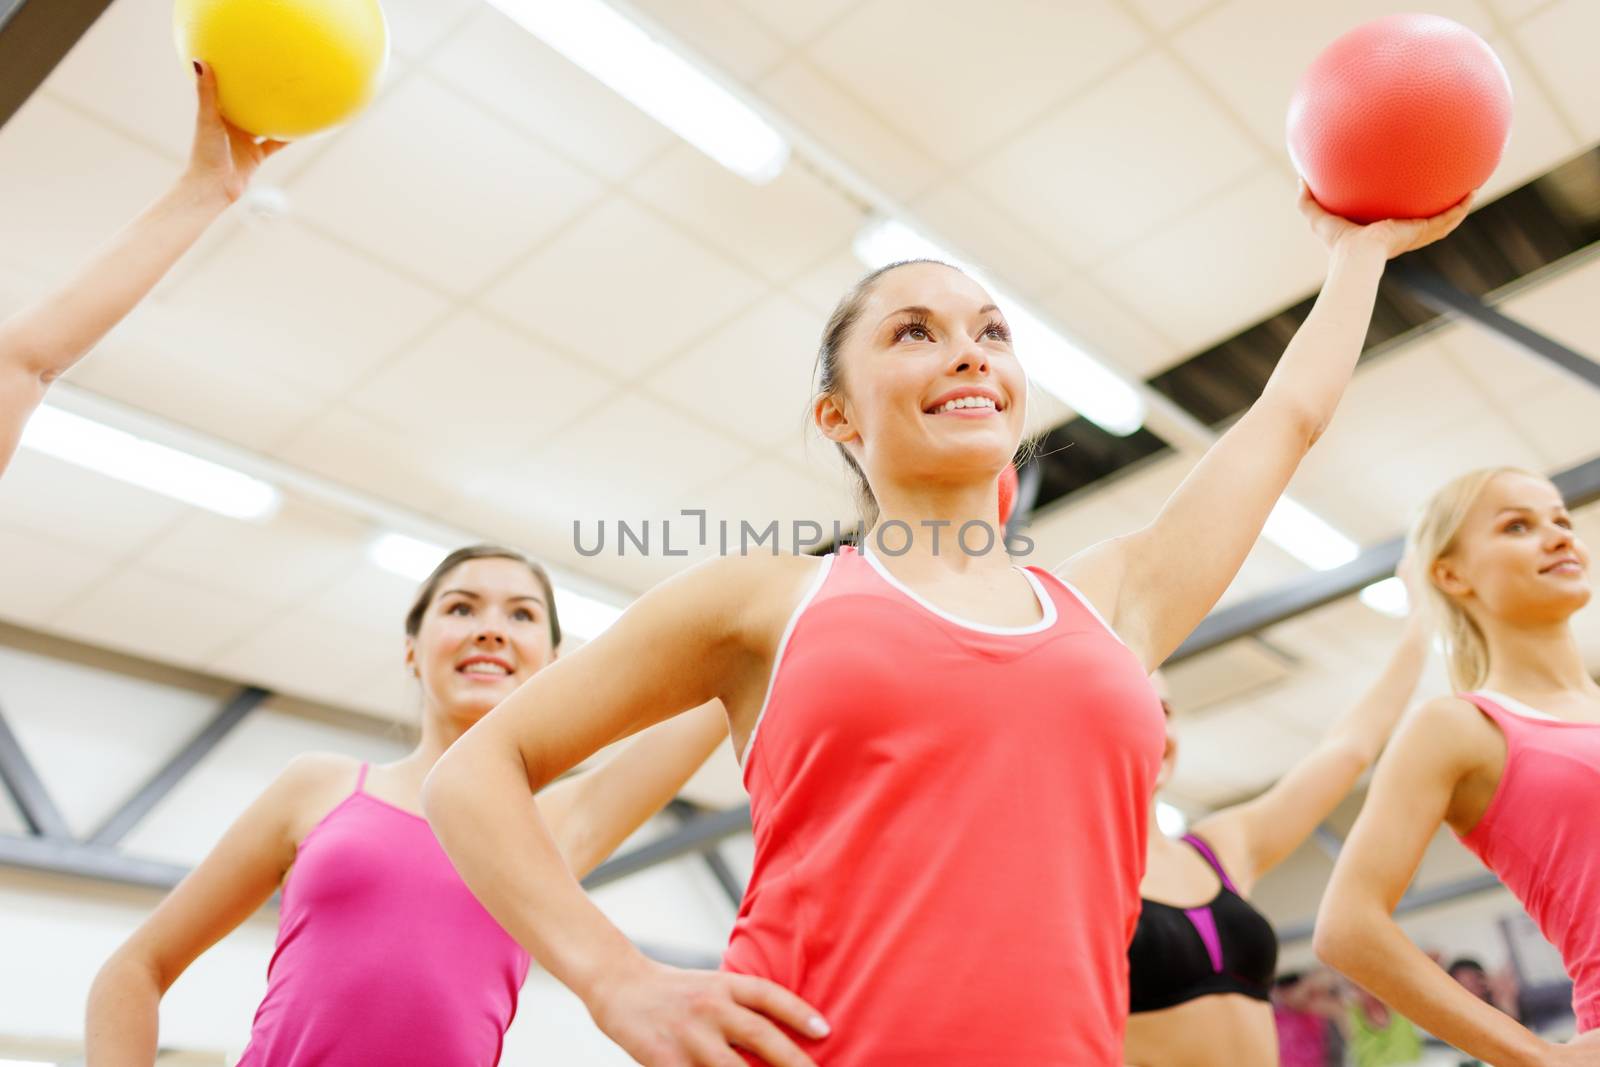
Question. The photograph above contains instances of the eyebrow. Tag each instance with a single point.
(927, 312)
(477, 596)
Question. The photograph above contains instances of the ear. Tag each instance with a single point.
(833, 419)
(1446, 578)
(411, 657)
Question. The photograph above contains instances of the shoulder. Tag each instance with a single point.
(309, 787)
(1447, 732)
(731, 598)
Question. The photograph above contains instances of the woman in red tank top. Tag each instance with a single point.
(949, 757)
(383, 956)
(1511, 764)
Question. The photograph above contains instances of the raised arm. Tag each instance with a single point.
(590, 814)
(1160, 581)
(1256, 836)
(688, 641)
(236, 878)
(1411, 796)
(41, 342)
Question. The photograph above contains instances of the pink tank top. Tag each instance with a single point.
(1541, 837)
(950, 826)
(383, 955)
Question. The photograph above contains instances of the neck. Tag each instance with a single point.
(439, 731)
(928, 521)
(1538, 660)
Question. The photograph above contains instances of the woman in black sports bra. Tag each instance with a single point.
(1202, 959)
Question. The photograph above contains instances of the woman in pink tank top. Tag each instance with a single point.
(383, 955)
(1511, 764)
(949, 757)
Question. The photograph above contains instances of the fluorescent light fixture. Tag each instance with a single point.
(405, 556)
(1387, 597)
(1307, 537)
(1171, 821)
(137, 461)
(618, 52)
(27, 1063)
(582, 616)
(1053, 362)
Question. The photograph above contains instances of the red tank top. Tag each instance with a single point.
(950, 826)
(1539, 837)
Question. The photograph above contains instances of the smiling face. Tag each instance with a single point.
(1515, 557)
(485, 631)
(923, 386)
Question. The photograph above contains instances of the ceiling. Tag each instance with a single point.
(504, 298)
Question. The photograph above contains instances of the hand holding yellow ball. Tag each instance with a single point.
(287, 69)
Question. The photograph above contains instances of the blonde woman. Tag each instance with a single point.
(1511, 764)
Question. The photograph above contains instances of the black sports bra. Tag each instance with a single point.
(1179, 954)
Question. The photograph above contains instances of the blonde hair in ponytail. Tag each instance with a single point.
(1432, 537)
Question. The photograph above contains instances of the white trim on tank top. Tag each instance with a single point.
(1047, 604)
(783, 646)
(1088, 605)
(1517, 707)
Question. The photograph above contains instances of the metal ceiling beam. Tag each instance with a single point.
(34, 36)
(1580, 485)
(696, 835)
(22, 781)
(1437, 292)
(1412, 901)
(124, 819)
(76, 859)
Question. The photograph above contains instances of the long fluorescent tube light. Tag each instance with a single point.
(619, 53)
(582, 616)
(1387, 597)
(1053, 362)
(1307, 536)
(121, 455)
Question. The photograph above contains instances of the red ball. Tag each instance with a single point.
(1400, 118)
(1008, 492)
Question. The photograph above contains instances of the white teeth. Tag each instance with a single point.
(485, 668)
(965, 402)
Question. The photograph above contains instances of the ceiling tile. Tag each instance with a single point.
(79, 508)
(495, 387)
(307, 654)
(302, 549)
(153, 99)
(317, 317)
(1539, 138)
(1068, 528)
(1127, 341)
(773, 491)
(753, 377)
(1016, 254)
(1561, 304)
(720, 33)
(153, 614)
(1141, 147)
(1557, 41)
(412, 466)
(476, 195)
(516, 76)
(56, 206)
(822, 287)
(622, 288)
(776, 230)
(1203, 280)
(1020, 56)
(797, 23)
(882, 153)
(1168, 14)
(631, 460)
(1560, 424)
(41, 573)
(1254, 51)
(417, 27)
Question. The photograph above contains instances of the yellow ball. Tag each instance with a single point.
(287, 68)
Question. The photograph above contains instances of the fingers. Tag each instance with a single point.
(206, 88)
(711, 1050)
(272, 148)
(776, 1002)
(754, 1033)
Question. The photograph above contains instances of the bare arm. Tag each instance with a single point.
(590, 814)
(42, 342)
(1435, 750)
(1256, 836)
(1160, 581)
(230, 884)
(682, 644)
